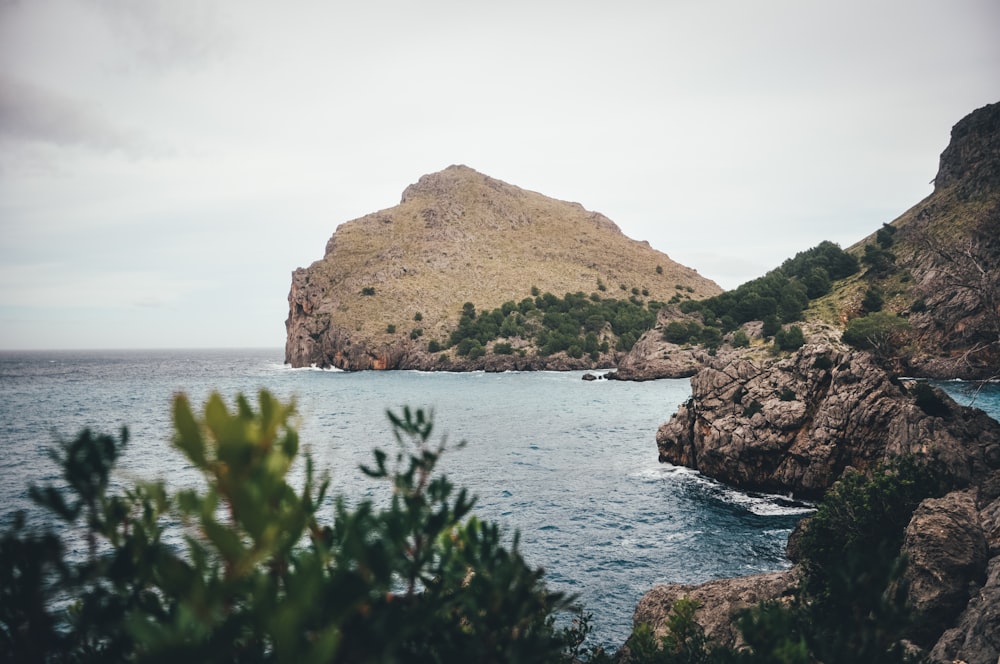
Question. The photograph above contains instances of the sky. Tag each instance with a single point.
(166, 164)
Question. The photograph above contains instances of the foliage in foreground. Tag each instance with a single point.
(258, 578)
(850, 605)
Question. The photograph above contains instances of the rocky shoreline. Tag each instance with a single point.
(799, 423)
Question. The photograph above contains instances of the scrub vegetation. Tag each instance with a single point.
(576, 324)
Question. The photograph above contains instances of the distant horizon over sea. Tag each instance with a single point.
(570, 464)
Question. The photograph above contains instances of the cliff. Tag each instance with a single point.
(940, 268)
(795, 424)
(935, 266)
(392, 281)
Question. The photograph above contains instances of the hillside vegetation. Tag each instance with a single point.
(922, 293)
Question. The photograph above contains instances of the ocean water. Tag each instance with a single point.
(571, 465)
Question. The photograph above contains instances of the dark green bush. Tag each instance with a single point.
(782, 294)
(872, 300)
(368, 290)
(790, 339)
(390, 328)
(881, 332)
(502, 348)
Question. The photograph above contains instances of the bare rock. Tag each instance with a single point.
(946, 549)
(976, 637)
(795, 424)
(720, 602)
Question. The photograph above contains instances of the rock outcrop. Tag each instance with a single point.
(719, 602)
(394, 280)
(946, 552)
(796, 424)
(944, 278)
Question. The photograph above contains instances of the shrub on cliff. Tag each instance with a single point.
(881, 332)
(260, 577)
(790, 339)
(851, 603)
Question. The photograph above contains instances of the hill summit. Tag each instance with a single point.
(395, 280)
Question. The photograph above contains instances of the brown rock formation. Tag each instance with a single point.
(795, 424)
(946, 551)
(720, 601)
(395, 279)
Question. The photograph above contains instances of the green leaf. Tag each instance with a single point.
(188, 437)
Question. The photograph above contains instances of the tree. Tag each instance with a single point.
(881, 332)
(872, 300)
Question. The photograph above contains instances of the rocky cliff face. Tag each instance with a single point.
(795, 424)
(393, 280)
(948, 256)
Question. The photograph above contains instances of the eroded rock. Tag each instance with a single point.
(795, 424)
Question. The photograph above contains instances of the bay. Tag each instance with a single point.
(570, 464)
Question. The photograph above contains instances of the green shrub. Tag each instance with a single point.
(710, 337)
(740, 339)
(771, 326)
(260, 577)
(390, 328)
(418, 316)
(433, 346)
(368, 290)
(872, 300)
(416, 333)
(790, 339)
(881, 332)
(787, 394)
(502, 348)
(852, 565)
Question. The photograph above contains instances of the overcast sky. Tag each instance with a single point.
(166, 164)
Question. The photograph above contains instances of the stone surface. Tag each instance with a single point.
(720, 601)
(795, 424)
(947, 554)
(975, 639)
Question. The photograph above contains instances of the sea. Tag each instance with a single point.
(569, 465)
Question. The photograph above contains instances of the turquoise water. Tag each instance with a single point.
(570, 464)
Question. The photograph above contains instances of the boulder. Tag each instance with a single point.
(947, 554)
(795, 424)
(975, 639)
